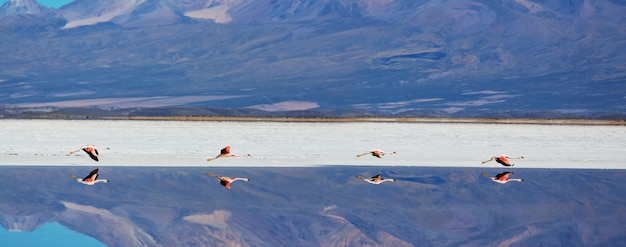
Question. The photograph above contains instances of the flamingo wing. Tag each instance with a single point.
(503, 176)
(93, 153)
(225, 183)
(225, 150)
(93, 175)
(503, 161)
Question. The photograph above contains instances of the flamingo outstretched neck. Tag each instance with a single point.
(226, 181)
(377, 179)
(376, 153)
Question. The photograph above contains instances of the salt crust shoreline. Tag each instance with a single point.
(379, 119)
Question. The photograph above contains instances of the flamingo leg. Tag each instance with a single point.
(363, 154)
(486, 161)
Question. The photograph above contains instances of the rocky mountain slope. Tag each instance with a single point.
(398, 57)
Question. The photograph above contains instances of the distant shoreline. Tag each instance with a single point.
(377, 120)
(328, 116)
(537, 121)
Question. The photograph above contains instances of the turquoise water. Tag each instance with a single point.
(48, 3)
(50, 235)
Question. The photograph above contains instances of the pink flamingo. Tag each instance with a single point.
(226, 181)
(503, 159)
(91, 150)
(376, 153)
(90, 179)
(224, 153)
(502, 178)
(378, 179)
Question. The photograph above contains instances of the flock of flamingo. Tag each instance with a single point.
(92, 177)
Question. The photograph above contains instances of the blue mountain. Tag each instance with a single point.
(400, 58)
(28, 7)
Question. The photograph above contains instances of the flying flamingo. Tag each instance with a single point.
(91, 150)
(224, 153)
(376, 153)
(378, 179)
(503, 159)
(502, 178)
(226, 181)
(90, 179)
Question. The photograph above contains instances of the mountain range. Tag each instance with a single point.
(349, 57)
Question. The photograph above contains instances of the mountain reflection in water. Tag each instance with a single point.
(320, 206)
(50, 234)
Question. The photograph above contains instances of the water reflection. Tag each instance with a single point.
(48, 234)
(322, 206)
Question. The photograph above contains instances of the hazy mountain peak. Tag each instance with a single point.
(120, 228)
(18, 223)
(31, 7)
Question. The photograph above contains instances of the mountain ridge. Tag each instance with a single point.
(29, 7)
(394, 57)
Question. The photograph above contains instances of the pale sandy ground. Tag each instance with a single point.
(288, 144)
